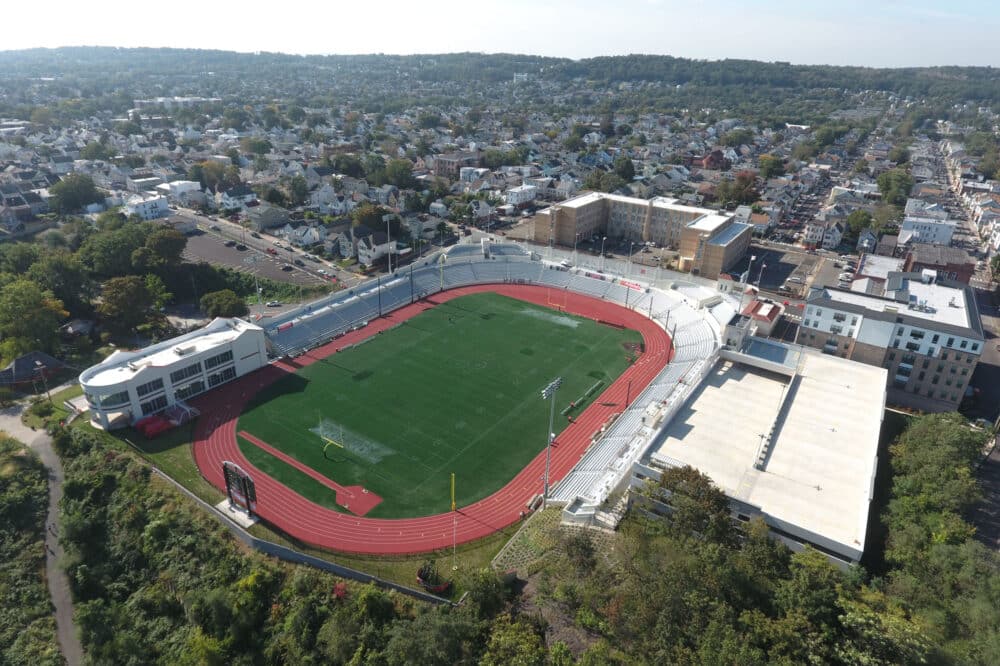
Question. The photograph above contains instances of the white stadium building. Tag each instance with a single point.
(129, 385)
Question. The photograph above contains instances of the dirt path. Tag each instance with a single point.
(41, 443)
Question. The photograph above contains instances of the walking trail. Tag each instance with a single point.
(40, 442)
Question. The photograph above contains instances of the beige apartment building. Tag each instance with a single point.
(709, 242)
(924, 330)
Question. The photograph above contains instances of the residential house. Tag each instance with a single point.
(947, 262)
(926, 230)
(147, 207)
(236, 198)
(265, 216)
(867, 241)
(521, 195)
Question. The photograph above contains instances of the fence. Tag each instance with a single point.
(291, 555)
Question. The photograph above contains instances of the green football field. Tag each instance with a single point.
(454, 389)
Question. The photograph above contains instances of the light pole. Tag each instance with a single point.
(603, 238)
(388, 242)
(40, 369)
(628, 269)
(576, 239)
(549, 393)
(745, 281)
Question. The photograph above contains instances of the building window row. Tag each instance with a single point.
(182, 374)
(218, 359)
(109, 399)
(149, 387)
(221, 377)
(154, 405)
(192, 389)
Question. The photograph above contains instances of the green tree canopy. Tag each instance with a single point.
(72, 193)
(771, 166)
(29, 318)
(224, 303)
(125, 303)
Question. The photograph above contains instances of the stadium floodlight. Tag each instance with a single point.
(549, 393)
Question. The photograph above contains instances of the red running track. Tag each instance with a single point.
(278, 505)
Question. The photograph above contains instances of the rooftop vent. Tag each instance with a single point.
(181, 351)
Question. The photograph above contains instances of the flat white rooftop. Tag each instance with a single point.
(938, 303)
(123, 365)
(818, 474)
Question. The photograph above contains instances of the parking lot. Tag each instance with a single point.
(212, 248)
(775, 266)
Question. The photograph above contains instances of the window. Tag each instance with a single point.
(935, 380)
(184, 373)
(975, 346)
(917, 335)
(952, 369)
(895, 344)
(965, 371)
(920, 377)
(908, 359)
(149, 387)
(218, 359)
(854, 321)
(892, 356)
(935, 338)
(913, 346)
(220, 377)
(964, 344)
(819, 313)
(899, 331)
(947, 382)
(926, 363)
(839, 317)
(185, 392)
(109, 399)
(951, 342)
(944, 356)
(154, 405)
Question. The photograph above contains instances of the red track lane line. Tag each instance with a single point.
(215, 441)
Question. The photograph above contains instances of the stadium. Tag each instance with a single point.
(383, 396)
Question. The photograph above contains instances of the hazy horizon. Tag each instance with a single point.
(915, 33)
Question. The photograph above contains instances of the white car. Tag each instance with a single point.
(321, 271)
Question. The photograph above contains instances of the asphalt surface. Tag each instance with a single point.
(59, 591)
(211, 247)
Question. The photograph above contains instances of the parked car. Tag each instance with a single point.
(230, 243)
(287, 267)
(274, 304)
(255, 234)
(298, 262)
(271, 251)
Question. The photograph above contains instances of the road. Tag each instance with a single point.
(41, 443)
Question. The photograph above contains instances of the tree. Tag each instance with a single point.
(72, 193)
(369, 215)
(298, 190)
(349, 165)
(125, 303)
(858, 221)
(771, 166)
(514, 643)
(167, 246)
(224, 303)
(736, 137)
(255, 146)
(399, 172)
(895, 186)
(624, 168)
(573, 143)
(158, 291)
(697, 506)
(29, 318)
(62, 274)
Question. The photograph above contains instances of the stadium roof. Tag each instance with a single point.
(818, 474)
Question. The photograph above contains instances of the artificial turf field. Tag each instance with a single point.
(454, 389)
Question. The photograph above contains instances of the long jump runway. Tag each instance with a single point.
(215, 441)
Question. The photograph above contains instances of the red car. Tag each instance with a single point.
(271, 250)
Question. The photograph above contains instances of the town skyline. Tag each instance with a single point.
(892, 34)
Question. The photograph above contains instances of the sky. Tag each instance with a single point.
(877, 33)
